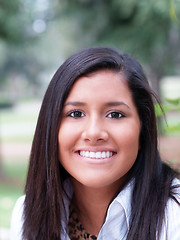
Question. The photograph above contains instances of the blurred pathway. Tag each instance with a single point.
(15, 151)
(18, 130)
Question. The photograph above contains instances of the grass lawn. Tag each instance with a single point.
(17, 126)
(10, 190)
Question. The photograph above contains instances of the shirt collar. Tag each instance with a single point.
(123, 198)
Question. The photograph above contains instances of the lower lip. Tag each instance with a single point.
(96, 160)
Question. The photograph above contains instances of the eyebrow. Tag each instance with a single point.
(75, 103)
(114, 103)
(117, 104)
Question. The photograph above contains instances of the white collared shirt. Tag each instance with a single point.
(116, 224)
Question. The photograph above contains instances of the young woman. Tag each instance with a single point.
(95, 171)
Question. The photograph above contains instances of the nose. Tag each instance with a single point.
(94, 130)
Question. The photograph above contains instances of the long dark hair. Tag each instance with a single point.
(44, 187)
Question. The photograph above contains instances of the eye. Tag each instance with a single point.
(76, 114)
(115, 115)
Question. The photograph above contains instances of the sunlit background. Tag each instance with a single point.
(36, 36)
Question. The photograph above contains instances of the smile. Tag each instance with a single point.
(96, 155)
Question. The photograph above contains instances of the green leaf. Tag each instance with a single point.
(174, 128)
(175, 101)
(160, 110)
(173, 12)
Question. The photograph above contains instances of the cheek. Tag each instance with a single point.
(63, 140)
(128, 135)
(131, 146)
(67, 138)
(66, 134)
(128, 151)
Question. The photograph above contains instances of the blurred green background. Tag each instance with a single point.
(36, 36)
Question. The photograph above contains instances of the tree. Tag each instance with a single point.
(10, 21)
(9, 29)
(21, 24)
(146, 29)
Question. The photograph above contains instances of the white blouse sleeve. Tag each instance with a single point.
(171, 227)
(17, 220)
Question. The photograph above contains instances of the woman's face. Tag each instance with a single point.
(99, 132)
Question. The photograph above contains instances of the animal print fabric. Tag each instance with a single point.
(76, 230)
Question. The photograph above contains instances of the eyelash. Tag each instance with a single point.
(72, 114)
(120, 115)
(75, 111)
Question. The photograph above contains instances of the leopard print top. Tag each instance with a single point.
(76, 230)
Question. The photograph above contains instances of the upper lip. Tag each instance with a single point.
(96, 149)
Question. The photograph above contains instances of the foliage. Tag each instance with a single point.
(173, 11)
(171, 105)
(15, 21)
(140, 27)
(22, 23)
(175, 102)
(174, 106)
(10, 20)
(149, 30)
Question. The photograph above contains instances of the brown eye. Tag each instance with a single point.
(76, 114)
(115, 115)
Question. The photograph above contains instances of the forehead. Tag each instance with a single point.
(101, 82)
(101, 85)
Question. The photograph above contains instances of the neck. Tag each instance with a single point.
(92, 204)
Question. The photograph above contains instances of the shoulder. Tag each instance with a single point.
(171, 227)
(17, 219)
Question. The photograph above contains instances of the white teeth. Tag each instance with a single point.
(96, 155)
(103, 155)
(92, 154)
(87, 154)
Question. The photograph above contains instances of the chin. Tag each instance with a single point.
(98, 183)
